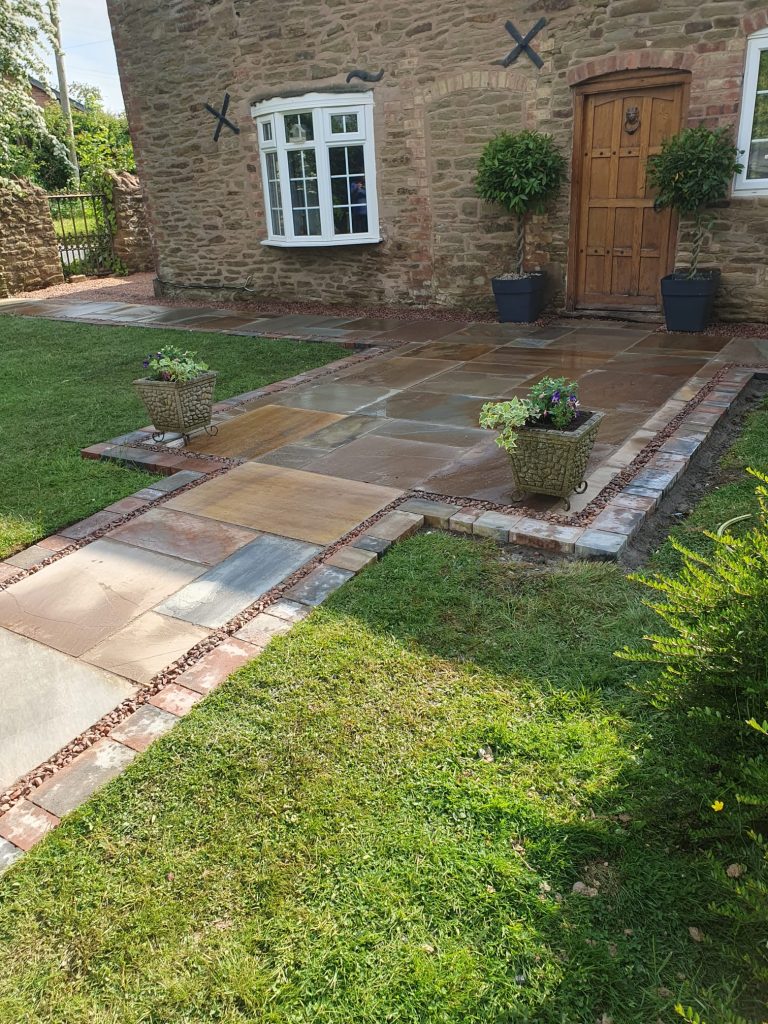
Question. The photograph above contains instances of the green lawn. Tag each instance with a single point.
(322, 840)
(68, 385)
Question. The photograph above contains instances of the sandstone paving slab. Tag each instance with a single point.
(465, 381)
(338, 397)
(414, 404)
(389, 461)
(192, 538)
(435, 433)
(145, 646)
(344, 430)
(215, 666)
(292, 456)
(75, 603)
(435, 513)
(261, 430)
(67, 789)
(231, 586)
(47, 699)
(396, 371)
(26, 824)
(8, 854)
(142, 728)
(289, 502)
(319, 585)
(396, 525)
(77, 531)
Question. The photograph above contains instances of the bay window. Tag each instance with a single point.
(753, 123)
(318, 169)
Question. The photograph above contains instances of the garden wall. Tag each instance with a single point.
(132, 241)
(29, 252)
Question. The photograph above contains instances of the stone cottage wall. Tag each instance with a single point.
(442, 96)
(132, 241)
(29, 252)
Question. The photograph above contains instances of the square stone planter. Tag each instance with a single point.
(179, 407)
(554, 462)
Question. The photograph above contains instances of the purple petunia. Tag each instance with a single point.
(555, 398)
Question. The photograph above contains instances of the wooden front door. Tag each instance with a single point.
(622, 246)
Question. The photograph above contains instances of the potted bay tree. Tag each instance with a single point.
(547, 436)
(177, 392)
(692, 172)
(522, 172)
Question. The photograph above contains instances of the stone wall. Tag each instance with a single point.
(132, 241)
(442, 96)
(29, 252)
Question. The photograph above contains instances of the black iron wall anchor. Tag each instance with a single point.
(221, 117)
(365, 76)
(523, 45)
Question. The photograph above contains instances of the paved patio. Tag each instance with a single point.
(325, 474)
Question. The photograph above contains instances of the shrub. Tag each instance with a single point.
(715, 659)
(523, 173)
(554, 400)
(692, 172)
(171, 363)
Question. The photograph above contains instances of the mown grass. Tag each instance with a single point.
(382, 819)
(69, 385)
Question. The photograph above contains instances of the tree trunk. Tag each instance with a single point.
(53, 10)
(520, 245)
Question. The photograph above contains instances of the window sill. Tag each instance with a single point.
(750, 191)
(319, 243)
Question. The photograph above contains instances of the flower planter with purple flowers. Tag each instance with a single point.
(547, 436)
(178, 393)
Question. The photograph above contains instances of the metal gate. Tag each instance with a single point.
(81, 222)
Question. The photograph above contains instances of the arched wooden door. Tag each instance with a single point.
(620, 246)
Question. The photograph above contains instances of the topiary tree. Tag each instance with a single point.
(692, 172)
(523, 173)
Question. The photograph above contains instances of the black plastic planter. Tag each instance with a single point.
(689, 301)
(519, 300)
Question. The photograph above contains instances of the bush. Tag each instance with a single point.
(715, 659)
(171, 363)
(523, 173)
(693, 171)
(553, 399)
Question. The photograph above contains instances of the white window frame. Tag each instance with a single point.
(321, 106)
(744, 186)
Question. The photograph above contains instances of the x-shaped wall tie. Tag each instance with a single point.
(523, 44)
(221, 117)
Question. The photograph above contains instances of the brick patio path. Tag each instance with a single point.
(285, 504)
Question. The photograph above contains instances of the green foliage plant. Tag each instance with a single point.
(173, 364)
(692, 172)
(522, 172)
(715, 661)
(553, 401)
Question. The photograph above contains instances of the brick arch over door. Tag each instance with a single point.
(620, 246)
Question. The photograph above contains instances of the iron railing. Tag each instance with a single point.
(81, 222)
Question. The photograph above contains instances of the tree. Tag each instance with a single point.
(23, 129)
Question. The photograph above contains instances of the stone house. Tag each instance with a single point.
(324, 186)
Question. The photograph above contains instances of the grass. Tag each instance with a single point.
(382, 819)
(66, 386)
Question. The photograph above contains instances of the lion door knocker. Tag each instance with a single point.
(632, 120)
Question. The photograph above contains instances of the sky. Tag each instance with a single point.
(89, 55)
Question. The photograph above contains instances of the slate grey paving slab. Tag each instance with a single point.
(47, 699)
(176, 481)
(8, 854)
(91, 770)
(341, 432)
(192, 538)
(292, 456)
(336, 397)
(319, 585)
(239, 580)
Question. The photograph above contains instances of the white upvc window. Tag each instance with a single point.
(753, 123)
(318, 166)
